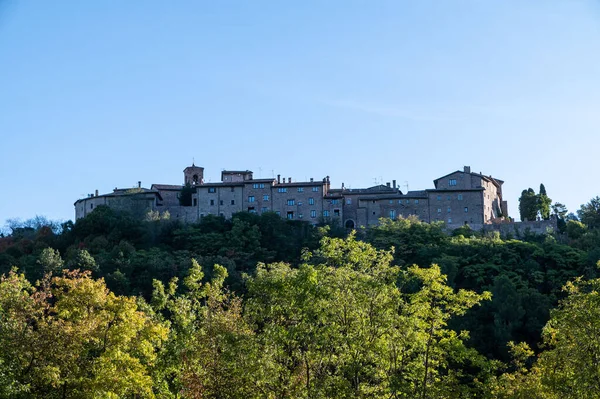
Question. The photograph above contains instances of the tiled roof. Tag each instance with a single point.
(167, 187)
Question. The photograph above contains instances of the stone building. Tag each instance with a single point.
(461, 197)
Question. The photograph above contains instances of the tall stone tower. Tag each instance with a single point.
(193, 175)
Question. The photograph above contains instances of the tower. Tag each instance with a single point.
(193, 175)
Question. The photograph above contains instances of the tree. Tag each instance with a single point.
(70, 337)
(568, 368)
(81, 259)
(185, 195)
(528, 206)
(340, 326)
(589, 213)
(50, 261)
(210, 353)
(560, 211)
(543, 202)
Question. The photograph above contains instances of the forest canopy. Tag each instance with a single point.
(260, 307)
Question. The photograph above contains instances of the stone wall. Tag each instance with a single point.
(514, 229)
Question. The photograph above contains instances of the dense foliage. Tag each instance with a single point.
(117, 307)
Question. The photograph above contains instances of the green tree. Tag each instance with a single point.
(72, 338)
(210, 353)
(340, 326)
(543, 202)
(528, 205)
(185, 195)
(589, 213)
(81, 259)
(568, 368)
(50, 261)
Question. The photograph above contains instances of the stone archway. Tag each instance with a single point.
(349, 224)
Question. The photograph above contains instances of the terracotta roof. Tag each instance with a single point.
(119, 192)
(495, 181)
(301, 183)
(167, 187)
(372, 190)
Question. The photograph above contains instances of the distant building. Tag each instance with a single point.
(459, 198)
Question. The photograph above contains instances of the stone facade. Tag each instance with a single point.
(458, 198)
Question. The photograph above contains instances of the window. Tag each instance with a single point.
(391, 202)
(459, 197)
(300, 216)
(449, 220)
(326, 214)
(336, 212)
(393, 214)
(251, 209)
(439, 210)
(399, 201)
(282, 190)
(265, 197)
(264, 209)
(449, 210)
(91, 206)
(222, 214)
(315, 189)
(335, 202)
(300, 189)
(466, 209)
(232, 202)
(452, 182)
(349, 201)
(291, 202)
(251, 198)
(221, 202)
(195, 201)
(290, 215)
(232, 189)
(212, 202)
(448, 197)
(261, 185)
(255, 185)
(212, 190)
(278, 213)
(313, 214)
(439, 197)
(408, 201)
(416, 201)
(311, 201)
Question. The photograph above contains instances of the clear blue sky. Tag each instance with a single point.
(99, 94)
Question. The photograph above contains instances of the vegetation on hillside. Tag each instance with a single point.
(260, 307)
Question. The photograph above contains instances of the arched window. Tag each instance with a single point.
(195, 179)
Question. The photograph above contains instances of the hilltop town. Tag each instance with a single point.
(461, 197)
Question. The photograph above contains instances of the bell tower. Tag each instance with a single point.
(193, 175)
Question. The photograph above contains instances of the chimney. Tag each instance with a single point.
(342, 185)
(289, 179)
(278, 178)
(139, 184)
(394, 183)
(467, 169)
(327, 179)
(311, 179)
(96, 193)
(388, 184)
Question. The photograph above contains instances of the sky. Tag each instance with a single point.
(98, 95)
